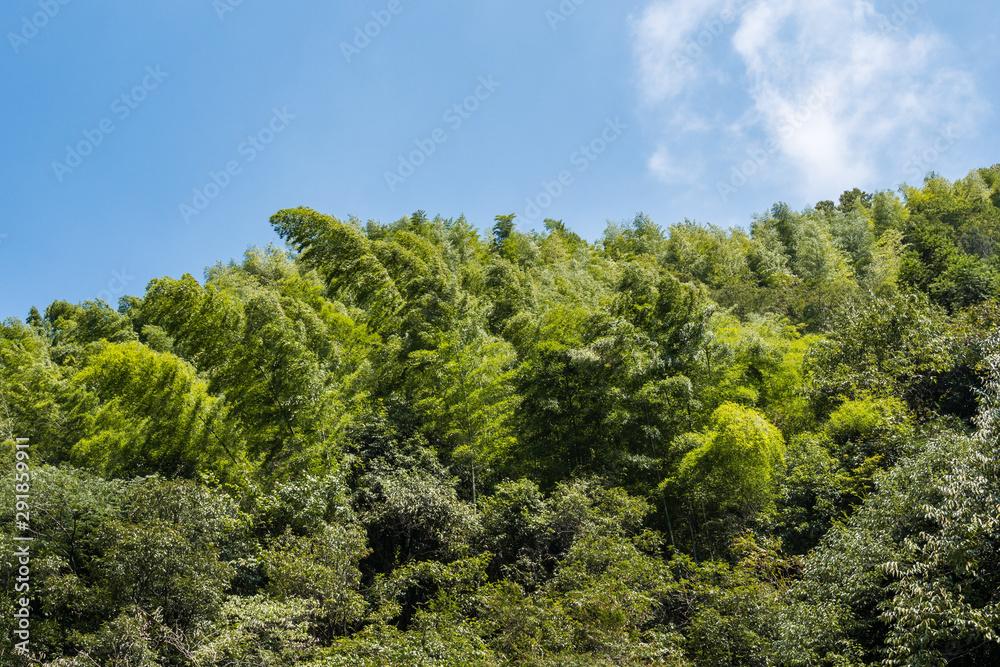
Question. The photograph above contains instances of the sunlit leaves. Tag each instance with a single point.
(737, 464)
(147, 412)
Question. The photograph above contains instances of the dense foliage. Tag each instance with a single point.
(410, 444)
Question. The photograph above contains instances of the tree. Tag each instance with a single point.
(465, 390)
(900, 345)
(323, 568)
(144, 412)
(271, 356)
(345, 259)
(737, 463)
(502, 229)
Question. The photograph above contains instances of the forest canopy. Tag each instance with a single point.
(417, 443)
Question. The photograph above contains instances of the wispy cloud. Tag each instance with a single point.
(667, 60)
(669, 169)
(840, 92)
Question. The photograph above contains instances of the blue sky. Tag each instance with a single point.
(150, 139)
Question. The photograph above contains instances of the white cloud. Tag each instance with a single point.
(663, 37)
(669, 170)
(843, 95)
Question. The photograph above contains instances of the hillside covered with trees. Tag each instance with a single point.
(416, 444)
